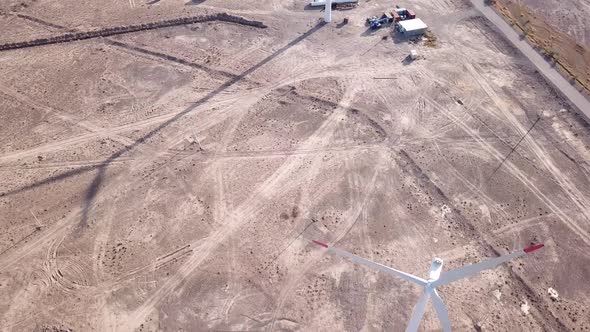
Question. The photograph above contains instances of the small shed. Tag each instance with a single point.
(413, 27)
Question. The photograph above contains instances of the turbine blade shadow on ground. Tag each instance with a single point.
(94, 187)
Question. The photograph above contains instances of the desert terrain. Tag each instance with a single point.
(559, 30)
(170, 179)
(569, 16)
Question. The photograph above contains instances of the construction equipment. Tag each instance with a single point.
(378, 24)
(371, 19)
(375, 22)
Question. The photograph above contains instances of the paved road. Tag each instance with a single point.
(544, 67)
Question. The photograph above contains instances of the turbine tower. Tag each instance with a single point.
(328, 11)
(435, 279)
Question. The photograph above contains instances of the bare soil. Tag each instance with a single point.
(559, 37)
(569, 16)
(171, 179)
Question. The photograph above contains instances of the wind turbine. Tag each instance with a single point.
(434, 280)
(328, 11)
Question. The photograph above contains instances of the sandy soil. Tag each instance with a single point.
(569, 16)
(171, 179)
(560, 37)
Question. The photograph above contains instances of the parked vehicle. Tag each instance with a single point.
(375, 22)
(405, 14)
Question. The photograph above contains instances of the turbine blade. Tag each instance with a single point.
(418, 312)
(369, 263)
(441, 311)
(469, 270)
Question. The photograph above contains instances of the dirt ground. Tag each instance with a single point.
(170, 180)
(559, 36)
(569, 16)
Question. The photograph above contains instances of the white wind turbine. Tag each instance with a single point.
(434, 280)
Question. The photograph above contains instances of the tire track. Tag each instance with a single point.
(468, 231)
(246, 210)
(61, 227)
(59, 145)
(13, 255)
(516, 172)
(61, 115)
(57, 272)
(351, 91)
(471, 186)
(226, 212)
(569, 187)
(354, 214)
(522, 224)
(219, 116)
(152, 54)
(155, 120)
(63, 164)
(280, 182)
(279, 153)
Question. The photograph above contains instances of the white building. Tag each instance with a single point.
(413, 27)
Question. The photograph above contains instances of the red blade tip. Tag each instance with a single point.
(533, 248)
(320, 243)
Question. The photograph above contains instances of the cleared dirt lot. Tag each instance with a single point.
(171, 179)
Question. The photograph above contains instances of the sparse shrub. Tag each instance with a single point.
(431, 40)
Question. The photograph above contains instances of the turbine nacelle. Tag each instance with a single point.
(435, 269)
(435, 278)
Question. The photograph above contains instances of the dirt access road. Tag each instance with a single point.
(171, 179)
